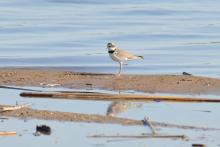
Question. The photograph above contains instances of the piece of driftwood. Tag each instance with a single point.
(12, 133)
(143, 136)
(198, 145)
(18, 88)
(113, 97)
(11, 108)
(88, 118)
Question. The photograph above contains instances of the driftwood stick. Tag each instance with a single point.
(12, 133)
(113, 97)
(18, 88)
(11, 108)
(144, 136)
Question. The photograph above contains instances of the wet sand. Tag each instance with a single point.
(176, 84)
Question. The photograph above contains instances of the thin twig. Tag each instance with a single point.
(140, 136)
(18, 88)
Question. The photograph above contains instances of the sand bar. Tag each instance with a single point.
(177, 84)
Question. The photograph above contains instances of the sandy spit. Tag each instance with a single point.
(177, 84)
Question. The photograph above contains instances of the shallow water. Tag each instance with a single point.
(66, 133)
(173, 36)
(76, 134)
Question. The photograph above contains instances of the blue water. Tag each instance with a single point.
(76, 133)
(173, 36)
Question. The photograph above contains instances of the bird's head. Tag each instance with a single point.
(111, 46)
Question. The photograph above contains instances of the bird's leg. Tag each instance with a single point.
(119, 73)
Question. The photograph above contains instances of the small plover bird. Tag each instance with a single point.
(120, 55)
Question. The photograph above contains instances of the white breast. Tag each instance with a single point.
(115, 57)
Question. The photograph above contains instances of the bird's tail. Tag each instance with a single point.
(141, 57)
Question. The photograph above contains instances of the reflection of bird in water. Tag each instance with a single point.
(117, 107)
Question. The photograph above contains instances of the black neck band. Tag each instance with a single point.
(111, 51)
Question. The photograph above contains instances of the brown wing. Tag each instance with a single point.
(126, 55)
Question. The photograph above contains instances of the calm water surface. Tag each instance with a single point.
(173, 36)
(75, 133)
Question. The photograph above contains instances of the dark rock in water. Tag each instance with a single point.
(43, 129)
(198, 145)
(187, 74)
